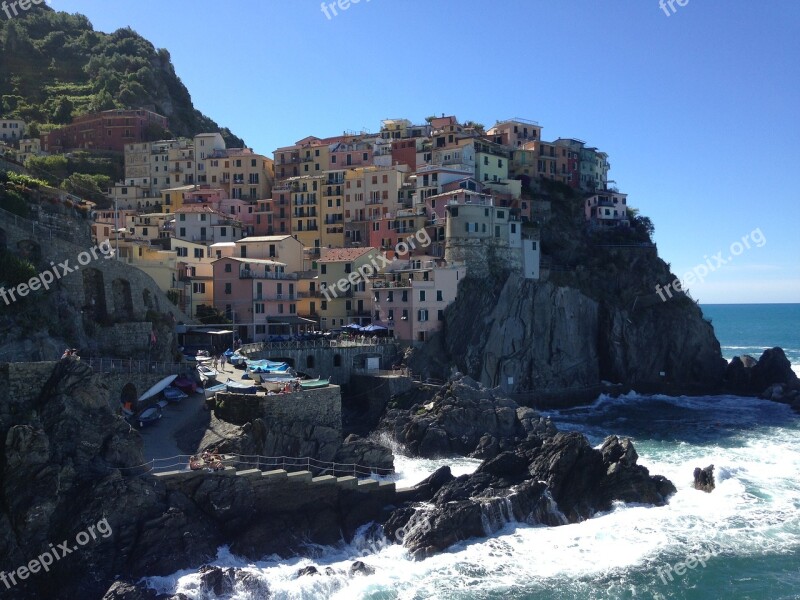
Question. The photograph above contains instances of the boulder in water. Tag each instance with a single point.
(704, 479)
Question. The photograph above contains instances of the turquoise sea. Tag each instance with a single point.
(741, 542)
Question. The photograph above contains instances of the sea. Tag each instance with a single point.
(742, 541)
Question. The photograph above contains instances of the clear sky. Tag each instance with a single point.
(699, 110)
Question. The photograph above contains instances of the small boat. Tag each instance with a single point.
(237, 360)
(277, 384)
(312, 384)
(185, 384)
(150, 415)
(174, 394)
(240, 388)
(157, 388)
(259, 374)
(207, 372)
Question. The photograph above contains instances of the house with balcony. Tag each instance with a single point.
(410, 296)
(259, 296)
(343, 289)
(12, 130)
(607, 209)
(515, 133)
(202, 224)
(283, 248)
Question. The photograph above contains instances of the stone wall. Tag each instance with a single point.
(322, 408)
(368, 395)
(336, 363)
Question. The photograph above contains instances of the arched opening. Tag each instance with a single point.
(128, 395)
(94, 293)
(3, 240)
(147, 298)
(310, 362)
(337, 360)
(123, 302)
(29, 250)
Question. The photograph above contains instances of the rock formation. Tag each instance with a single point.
(704, 479)
(463, 418)
(771, 377)
(533, 473)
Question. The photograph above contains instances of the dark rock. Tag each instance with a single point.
(704, 479)
(771, 376)
(217, 581)
(551, 481)
(359, 568)
(425, 489)
(123, 590)
(465, 418)
(360, 451)
(252, 585)
(307, 571)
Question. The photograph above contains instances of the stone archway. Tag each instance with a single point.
(94, 293)
(29, 250)
(123, 302)
(128, 394)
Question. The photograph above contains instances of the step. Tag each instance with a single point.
(301, 476)
(277, 474)
(324, 479)
(249, 473)
(349, 482)
(367, 484)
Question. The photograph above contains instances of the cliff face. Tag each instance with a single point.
(540, 336)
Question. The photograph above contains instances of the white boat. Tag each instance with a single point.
(207, 372)
(150, 415)
(174, 394)
(157, 388)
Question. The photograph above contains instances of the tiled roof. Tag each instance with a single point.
(344, 254)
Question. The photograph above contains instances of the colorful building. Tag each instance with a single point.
(107, 130)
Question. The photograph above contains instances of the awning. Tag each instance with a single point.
(289, 320)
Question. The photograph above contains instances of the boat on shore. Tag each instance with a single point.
(173, 394)
(240, 388)
(313, 384)
(278, 384)
(207, 372)
(149, 415)
(157, 388)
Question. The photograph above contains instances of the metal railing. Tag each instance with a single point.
(265, 463)
(37, 230)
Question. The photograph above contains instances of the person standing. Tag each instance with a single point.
(223, 361)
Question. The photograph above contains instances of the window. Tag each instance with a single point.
(199, 288)
(182, 232)
(228, 289)
(280, 309)
(390, 296)
(422, 315)
(348, 268)
(323, 269)
(228, 267)
(439, 296)
(405, 296)
(422, 295)
(198, 253)
(440, 315)
(259, 309)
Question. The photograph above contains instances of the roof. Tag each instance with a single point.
(344, 254)
(223, 245)
(263, 238)
(201, 208)
(253, 261)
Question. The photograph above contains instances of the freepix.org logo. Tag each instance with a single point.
(46, 278)
(12, 9)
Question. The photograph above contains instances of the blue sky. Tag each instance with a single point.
(699, 110)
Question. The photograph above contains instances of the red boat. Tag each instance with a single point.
(185, 384)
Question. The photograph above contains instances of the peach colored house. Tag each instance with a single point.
(410, 296)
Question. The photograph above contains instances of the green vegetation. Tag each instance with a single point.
(54, 67)
(208, 315)
(14, 270)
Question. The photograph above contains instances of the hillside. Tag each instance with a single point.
(54, 66)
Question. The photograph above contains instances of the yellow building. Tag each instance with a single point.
(304, 193)
(332, 216)
(343, 276)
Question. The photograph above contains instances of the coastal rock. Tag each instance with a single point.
(360, 451)
(307, 571)
(123, 590)
(552, 338)
(704, 479)
(425, 489)
(216, 581)
(464, 417)
(552, 480)
(771, 376)
(359, 568)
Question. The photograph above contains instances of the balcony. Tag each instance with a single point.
(250, 274)
(382, 285)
